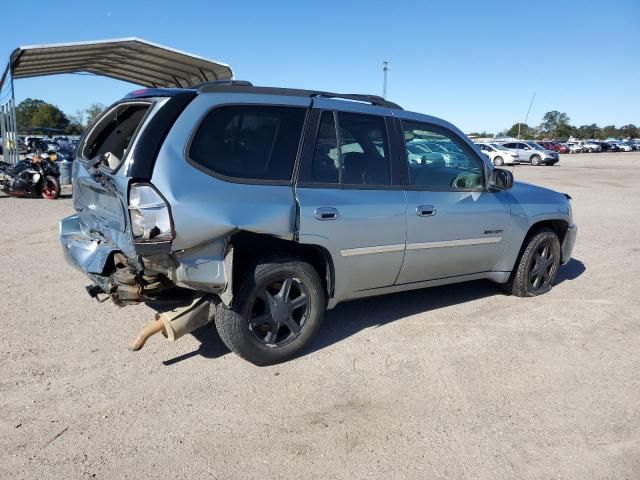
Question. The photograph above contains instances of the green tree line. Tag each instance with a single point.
(35, 113)
(557, 126)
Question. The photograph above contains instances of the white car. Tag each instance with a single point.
(498, 154)
(590, 147)
(624, 147)
(574, 147)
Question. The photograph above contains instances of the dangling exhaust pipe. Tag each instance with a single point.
(178, 321)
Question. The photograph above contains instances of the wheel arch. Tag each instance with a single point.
(249, 248)
(557, 225)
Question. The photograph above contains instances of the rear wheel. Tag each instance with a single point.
(50, 187)
(537, 267)
(276, 311)
(535, 160)
(498, 161)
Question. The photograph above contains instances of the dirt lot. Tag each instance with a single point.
(452, 382)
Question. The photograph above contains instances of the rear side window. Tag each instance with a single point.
(249, 142)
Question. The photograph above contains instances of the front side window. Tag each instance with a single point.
(445, 164)
(249, 142)
(353, 151)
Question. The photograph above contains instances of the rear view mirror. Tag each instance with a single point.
(500, 179)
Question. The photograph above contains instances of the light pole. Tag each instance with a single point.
(385, 69)
(527, 117)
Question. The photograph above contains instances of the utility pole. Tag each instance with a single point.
(385, 69)
(527, 117)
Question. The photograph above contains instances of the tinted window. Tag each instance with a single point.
(326, 164)
(249, 142)
(360, 158)
(446, 162)
(364, 150)
(511, 145)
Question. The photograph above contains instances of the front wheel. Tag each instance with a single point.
(537, 267)
(276, 311)
(50, 187)
(535, 160)
(498, 161)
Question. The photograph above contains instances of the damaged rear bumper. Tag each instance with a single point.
(87, 254)
(205, 268)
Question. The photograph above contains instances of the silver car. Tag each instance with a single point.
(498, 154)
(260, 208)
(533, 153)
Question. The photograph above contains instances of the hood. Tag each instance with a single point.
(530, 193)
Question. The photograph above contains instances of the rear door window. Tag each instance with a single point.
(249, 142)
(353, 152)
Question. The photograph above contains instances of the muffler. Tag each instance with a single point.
(178, 321)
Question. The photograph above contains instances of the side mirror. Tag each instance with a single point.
(500, 179)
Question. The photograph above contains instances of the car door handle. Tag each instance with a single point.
(326, 213)
(426, 210)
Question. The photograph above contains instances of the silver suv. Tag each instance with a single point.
(269, 206)
(533, 153)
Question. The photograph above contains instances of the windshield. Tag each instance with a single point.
(497, 146)
(535, 146)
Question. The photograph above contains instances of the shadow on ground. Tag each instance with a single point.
(349, 318)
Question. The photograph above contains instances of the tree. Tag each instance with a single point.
(555, 123)
(629, 131)
(76, 125)
(49, 116)
(92, 112)
(25, 111)
(522, 128)
(610, 131)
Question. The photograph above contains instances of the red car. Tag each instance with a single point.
(556, 147)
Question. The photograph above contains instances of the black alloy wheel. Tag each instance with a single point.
(279, 311)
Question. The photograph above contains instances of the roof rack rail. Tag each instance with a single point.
(225, 83)
(372, 99)
(241, 86)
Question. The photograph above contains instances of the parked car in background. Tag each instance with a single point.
(624, 147)
(555, 146)
(613, 147)
(498, 154)
(574, 147)
(630, 145)
(263, 207)
(589, 146)
(533, 153)
(604, 146)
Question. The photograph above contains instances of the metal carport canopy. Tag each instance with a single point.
(129, 59)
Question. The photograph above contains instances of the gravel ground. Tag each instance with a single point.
(451, 382)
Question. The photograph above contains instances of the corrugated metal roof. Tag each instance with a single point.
(129, 59)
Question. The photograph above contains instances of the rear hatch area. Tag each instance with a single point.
(100, 182)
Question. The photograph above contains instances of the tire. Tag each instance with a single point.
(50, 188)
(261, 324)
(544, 247)
(498, 161)
(535, 160)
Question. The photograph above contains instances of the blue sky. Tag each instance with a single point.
(473, 63)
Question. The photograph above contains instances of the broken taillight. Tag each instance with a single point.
(150, 215)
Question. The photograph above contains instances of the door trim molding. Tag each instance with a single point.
(454, 243)
(349, 252)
